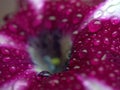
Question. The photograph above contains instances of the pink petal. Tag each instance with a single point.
(52, 16)
(96, 54)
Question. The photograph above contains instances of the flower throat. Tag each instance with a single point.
(50, 51)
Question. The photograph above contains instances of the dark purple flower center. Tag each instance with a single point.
(50, 51)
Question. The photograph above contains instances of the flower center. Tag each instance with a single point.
(50, 50)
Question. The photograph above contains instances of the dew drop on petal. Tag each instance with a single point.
(94, 26)
(76, 67)
(5, 51)
(54, 82)
(97, 42)
(115, 20)
(13, 27)
(64, 20)
(29, 66)
(99, 53)
(94, 61)
(6, 59)
(52, 18)
(111, 75)
(79, 15)
(98, 14)
(114, 34)
(106, 41)
(100, 69)
(0, 72)
(75, 32)
(44, 74)
(12, 69)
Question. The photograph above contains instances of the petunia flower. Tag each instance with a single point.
(61, 45)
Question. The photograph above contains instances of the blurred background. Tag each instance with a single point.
(7, 7)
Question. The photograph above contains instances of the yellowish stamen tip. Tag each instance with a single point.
(55, 61)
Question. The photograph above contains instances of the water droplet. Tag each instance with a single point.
(64, 20)
(94, 26)
(81, 54)
(0, 72)
(99, 54)
(12, 69)
(104, 57)
(112, 75)
(79, 15)
(5, 51)
(111, 9)
(13, 27)
(68, 12)
(84, 51)
(52, 18)
(53, 82)
(62, 7)
(114, 34)
(115, 20)
(98, 14)
(75, 32)
(29, 66)
(39, 17)
(6, 59)
(94, 61)
(78, 4)
(44, 74)
(106, 41)
(93, 73)
(100, 69)
(97, 42)
(76, 67)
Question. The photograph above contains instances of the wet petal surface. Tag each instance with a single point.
(95, 51)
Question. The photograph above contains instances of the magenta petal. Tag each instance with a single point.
(51, 15)
(65, 80)
(97, 54)
(14, 60)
